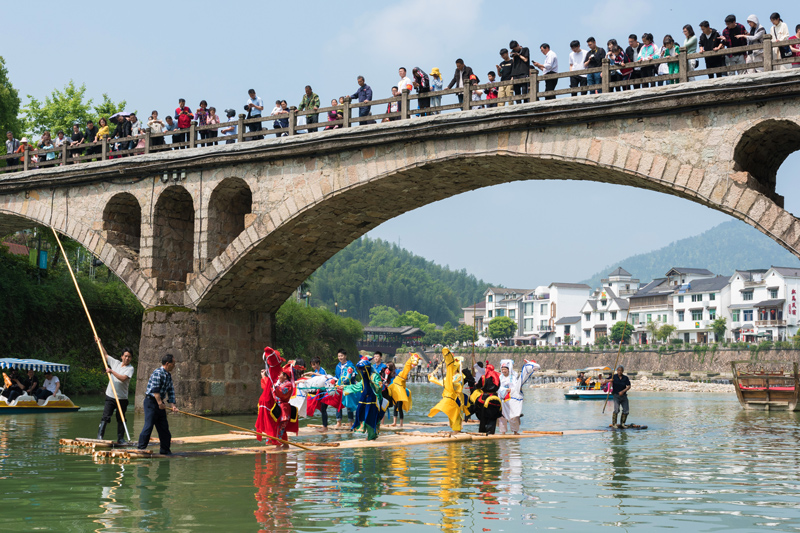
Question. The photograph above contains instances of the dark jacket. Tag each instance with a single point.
(464, 75)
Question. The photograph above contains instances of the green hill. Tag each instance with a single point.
(722, 249)
(374, 272)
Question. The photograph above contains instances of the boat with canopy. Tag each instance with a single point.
(56, 403)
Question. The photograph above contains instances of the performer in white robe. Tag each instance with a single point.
(511, 393)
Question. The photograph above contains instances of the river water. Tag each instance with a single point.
(703, 465)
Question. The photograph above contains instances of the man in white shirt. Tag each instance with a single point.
(50, 386)
(576, 60)
(120, 374)
(231, 127)
(550, 66)
(404, 82)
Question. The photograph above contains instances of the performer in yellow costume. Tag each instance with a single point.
(452, 402)
(400, 395)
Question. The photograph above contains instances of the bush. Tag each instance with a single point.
(676, 342)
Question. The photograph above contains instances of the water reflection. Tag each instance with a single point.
(111, 481)
(274, 477)
(154, 486)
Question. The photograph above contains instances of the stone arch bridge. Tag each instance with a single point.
(213, 240)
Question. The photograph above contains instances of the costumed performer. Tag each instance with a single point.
(510, 393)
(401, 396)
(452, 402)
(369, 411)
(486, 404)
(344, 371)
(276, 416)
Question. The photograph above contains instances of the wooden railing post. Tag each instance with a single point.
(533, 89)
(26, 157)
(293, 121)
(466, 96)
(404, 104)
(605, 81)
(193, 134)
(104, 153)
(768, 53)
(346, 113)
(147, 140)
(683, 66)
(64, 153)
(240, 129)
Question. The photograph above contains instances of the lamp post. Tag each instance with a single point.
(336, 307)
(307, 297)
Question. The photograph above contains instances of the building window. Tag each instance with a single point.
(501, 312)
(587, 317)
(490, 313)
(566, 329)
(712, 314)
(512, 313)
(735, 316)
(586, 333)
(747, 296)
(649, 318)
(747, 315)
(602, 316)
(613, 315)
(697, 297)
(712, 296)
(542, 309)
(680, 316)
(697, 315)
(528, 309)
(603, 302)
(635, 318)
(528, 325)
(680, 299)
(773, 293)
(489, 298)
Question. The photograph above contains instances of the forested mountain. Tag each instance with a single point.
(374, 272)
(722, 249)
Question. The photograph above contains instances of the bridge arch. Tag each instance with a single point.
(122, 221)
(173, 238)
(763, 147)
(230, 203)
(293, 239)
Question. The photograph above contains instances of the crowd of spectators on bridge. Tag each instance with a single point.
(516, 63)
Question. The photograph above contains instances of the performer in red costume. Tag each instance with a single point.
(276, 417)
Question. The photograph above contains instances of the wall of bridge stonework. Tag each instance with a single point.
(218, 354)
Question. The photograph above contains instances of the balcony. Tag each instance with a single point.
(767, 323)
(545, 329)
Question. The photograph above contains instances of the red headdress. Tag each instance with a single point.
(492, 374)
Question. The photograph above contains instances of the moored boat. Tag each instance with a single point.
(586, 392)
(767, 385)
(25, 403)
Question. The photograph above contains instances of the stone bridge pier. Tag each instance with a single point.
(213, 240)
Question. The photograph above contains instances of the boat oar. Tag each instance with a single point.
(96, 337)
(246, 430)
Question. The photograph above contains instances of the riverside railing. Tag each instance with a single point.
(152, 142)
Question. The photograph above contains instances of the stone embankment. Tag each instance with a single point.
(655, 385)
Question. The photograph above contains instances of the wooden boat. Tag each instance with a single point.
(577, 393)
(767, 385)
(57, 403)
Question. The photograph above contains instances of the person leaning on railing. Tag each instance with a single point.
(76, 139)
(796, 47)
(12, 145)
(729, 39)
(671, 50)
(708, 42)
(755, 36)
(780, 32)
(647, 52)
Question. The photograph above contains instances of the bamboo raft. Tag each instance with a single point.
(392, 440)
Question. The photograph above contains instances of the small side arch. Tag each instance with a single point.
(122, 221)
(228, 206)
(762, 149)
(173, 237)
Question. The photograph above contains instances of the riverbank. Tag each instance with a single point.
(654, 385)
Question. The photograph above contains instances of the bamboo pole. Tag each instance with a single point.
(96, 338)
(246, 430)
(614, 369)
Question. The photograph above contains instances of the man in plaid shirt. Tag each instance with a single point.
(310, 102)
(159, 387)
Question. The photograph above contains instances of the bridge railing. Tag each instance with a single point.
(393, 108)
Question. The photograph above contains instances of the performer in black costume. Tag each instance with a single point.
(487, 406)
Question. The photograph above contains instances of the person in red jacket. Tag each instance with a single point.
(184, 117)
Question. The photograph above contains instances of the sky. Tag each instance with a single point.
(152, 53)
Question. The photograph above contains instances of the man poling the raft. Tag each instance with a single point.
(486, 404)
(452, 402)
(276, 416)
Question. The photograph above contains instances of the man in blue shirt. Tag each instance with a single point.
(254, 108)
(316, 367)
(364, 94)
(341, 372)
(159, 387)
(377, 364)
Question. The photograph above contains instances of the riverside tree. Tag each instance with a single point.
(719, 326)
(63, 108)
(9, 104)
(383, 316)
(665, 331)
(502, 328)
(621, 331)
